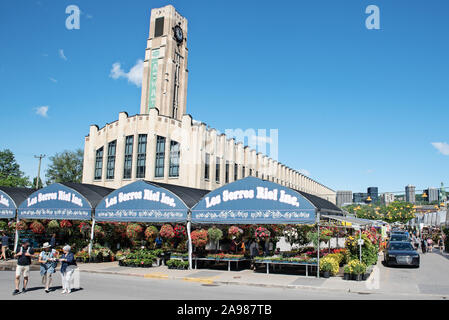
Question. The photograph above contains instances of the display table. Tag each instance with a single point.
(274, 263)
(228, 260)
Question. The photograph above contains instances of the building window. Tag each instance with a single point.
(227, 172)
(160, 155)
(243, 171)
(206, 166)
(176, 85)
(235, 171)
(217, 170)
(257, 174)
(110, 169)
(174, 159)
(98, 164)
(159, 27)
(128, 157)
(141, 155)
(250, 172)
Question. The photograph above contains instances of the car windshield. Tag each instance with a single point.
(400, 246)
(398, 237)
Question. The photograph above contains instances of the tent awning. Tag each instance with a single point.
(253, 201)
(10, 199)
(72, 201)
(144, 201)
(350, 220)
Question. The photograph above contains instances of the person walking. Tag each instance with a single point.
(47, 259)
(68, 265)
(423, 245)
(429, 244)
(5, 245)
(158, 241)
(23, 255)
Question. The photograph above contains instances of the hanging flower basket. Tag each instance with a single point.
(65, 224)
(199, 238)
(37, 227)
(234, 232)
(53, 225)
(180, 231)
(98, 232)
(21, 225)
(262, 233)
(167, 231)
(134, 231)
(150, 233)
(84, 228)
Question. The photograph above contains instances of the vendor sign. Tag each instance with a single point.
(254, 201)
(7, 206)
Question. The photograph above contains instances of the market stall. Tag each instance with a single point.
(62, 201)
(10, 199)
(148, 202)
(252, 201)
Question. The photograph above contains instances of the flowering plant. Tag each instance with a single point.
(234, 232)
(65, 224)
(199, 238)
(215, 234)
(21, 225)
(150, 232)
(134, 231)
(37, 227)
(167, 231)
(262, 233)
(180, 231)
(53, 225)
(98, 231)
(325, 235)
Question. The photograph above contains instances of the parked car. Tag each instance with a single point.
(401, 253)
(399, 237)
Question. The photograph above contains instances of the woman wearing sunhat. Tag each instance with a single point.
(47, 259)
(68, 266)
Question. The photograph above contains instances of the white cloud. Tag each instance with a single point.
(443, 147)
(369, 171)
(304, 172)
(42, 111)
(53, 80)
(134, 75)
(61, 54)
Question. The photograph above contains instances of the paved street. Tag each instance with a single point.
(427, 282)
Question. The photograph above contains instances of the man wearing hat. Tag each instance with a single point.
(47, 259)
(23, 255)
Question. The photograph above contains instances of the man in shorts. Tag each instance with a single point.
(23, 255)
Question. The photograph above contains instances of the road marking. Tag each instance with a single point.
(201, 280)
(156, 275)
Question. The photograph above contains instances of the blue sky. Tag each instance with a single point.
(354, 107)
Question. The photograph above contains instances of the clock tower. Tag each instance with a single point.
(164, 82)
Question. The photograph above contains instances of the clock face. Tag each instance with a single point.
(178, 34)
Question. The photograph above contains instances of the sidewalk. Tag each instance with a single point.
(243, 277)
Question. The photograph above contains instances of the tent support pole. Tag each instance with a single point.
(92, 232)
(318, 248)
(16, 240)
(189, 225)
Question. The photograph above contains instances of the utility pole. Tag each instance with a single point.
(40, 157)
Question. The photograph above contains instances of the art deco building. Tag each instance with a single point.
(163, 143)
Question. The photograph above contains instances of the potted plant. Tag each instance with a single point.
(347, 272)
(358, 270)
(325, 268)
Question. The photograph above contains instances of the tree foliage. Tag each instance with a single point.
(398, 211)
(66, 166)
(10, 174)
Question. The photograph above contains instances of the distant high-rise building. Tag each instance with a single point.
(410, 194)
(359, 197)
(432, 194)
(387, 198)
(344, 198)
(373, 193)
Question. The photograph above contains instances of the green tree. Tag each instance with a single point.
(66, 166)
(40, 185)
(10, 174)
